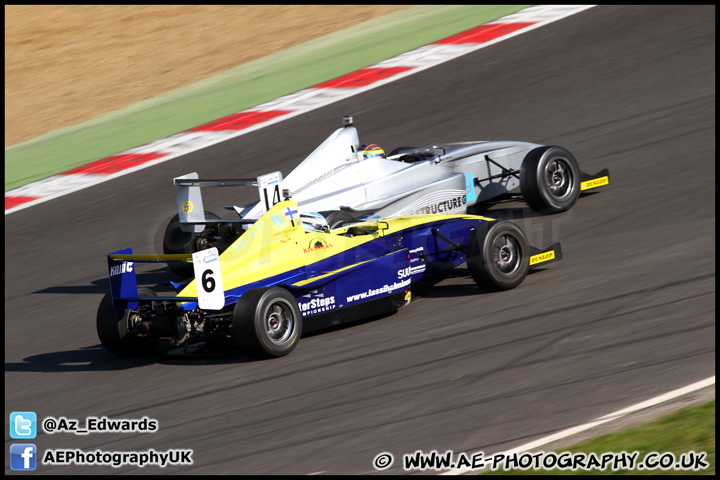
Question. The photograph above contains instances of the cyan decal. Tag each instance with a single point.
(469, 188)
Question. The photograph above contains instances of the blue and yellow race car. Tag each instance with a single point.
(286, 275)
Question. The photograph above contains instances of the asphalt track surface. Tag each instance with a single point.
(629, 313)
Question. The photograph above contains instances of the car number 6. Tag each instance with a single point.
(208, 282)
(210, 292)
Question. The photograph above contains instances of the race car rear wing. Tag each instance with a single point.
(189, 201)
(124, 287)
(123, 281)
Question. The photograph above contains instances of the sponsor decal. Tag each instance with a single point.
(125, 267)
(595, 182)
(385, 289)
(448, 202)
(248, 236)
(470, 187)
(542, 257)
(330, 173)
(417, 255)
(410, 271)
(444, 206)
(188, 207)
(268, 180)
(316, 305)
(317, 244)
(278, 220)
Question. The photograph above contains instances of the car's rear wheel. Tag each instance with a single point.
(550, 179)
(114, 328)
(267, 322)
(498, 255)
(175, 241)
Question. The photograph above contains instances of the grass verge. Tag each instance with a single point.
(668, 439)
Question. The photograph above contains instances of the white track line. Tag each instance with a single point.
(598, 421)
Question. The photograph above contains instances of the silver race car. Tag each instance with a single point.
(346, 181)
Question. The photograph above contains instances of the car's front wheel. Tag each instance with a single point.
(498, 255)
(267, 322)
(550, 179)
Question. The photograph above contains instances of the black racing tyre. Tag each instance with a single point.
(339, 218)
(498, 255)
(550, 179)
(176, 241)
(114, 326)
(267, 322)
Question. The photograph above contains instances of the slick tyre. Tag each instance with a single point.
(114, 329)
(498, 255)
(267, 322)
(339, 218)
(550, 179)
(176, 241)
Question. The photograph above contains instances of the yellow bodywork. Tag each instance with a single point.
(278, 243)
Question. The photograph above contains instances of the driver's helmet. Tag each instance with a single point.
(371, 150)
(314, 222)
